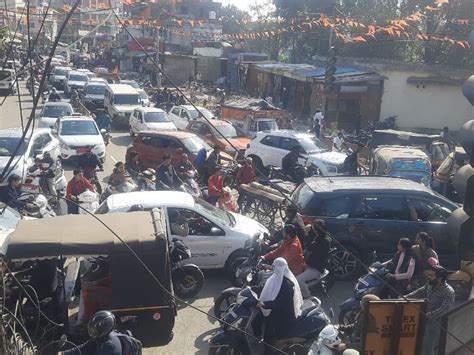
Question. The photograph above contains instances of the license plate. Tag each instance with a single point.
(82, 150)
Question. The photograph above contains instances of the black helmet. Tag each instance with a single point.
(101, 324)
(440, 272)
(13, 177)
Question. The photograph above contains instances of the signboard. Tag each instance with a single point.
(393, 327)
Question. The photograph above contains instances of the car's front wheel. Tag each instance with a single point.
(345, 263)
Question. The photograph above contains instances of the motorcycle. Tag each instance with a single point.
(88, 202)
(372, 283)
(187, 279)
(146, 180)
(41, 207)
(234, 338)
(128, 186)
(300, 173)
(34, 182)
(106, 135)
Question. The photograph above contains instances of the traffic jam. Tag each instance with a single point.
(221, 183)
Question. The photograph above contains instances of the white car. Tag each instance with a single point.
(77, 135)
(269, 148)
(52, 111)
(132, 83)
(181, 115)
(75, 80)
(149, 119)
(215, 237)
(144, 99)
(59, 76)
(36, 143)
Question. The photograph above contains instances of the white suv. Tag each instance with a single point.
(150, 119)
(269, 148)
(183, 114)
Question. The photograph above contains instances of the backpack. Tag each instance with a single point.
(130, 345)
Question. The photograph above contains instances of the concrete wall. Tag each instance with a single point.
(431, 107)
(178, 67)
(209, 67)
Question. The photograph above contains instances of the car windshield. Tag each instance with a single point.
(195, 114)
(5, 75)
(195, 144)
(311, 144)
(9, 217)
(156, 117)
(9, 144)
(78, 128)
(95, 89)
(223, 216)
(56, 111)
(78, 77)
(227, 131)
(269, 125)
(132, 83)
(126, 99)
(60, 72)
(143, 95)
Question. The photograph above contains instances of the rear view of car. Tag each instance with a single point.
(75, 81)
(59, 77)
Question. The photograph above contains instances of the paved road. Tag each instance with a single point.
(193, 328)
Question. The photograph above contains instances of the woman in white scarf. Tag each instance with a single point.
(282, 295)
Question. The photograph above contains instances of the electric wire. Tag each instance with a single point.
(239, 153)
(40, 89)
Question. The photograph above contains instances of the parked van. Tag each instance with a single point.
(120, 101)
(7, 81)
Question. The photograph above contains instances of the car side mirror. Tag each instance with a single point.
(216, 232)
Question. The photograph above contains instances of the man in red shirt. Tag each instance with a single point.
(215, 184)
(76, 186)
(246, 173)
(290, 250)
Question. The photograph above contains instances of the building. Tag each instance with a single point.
(425, 97)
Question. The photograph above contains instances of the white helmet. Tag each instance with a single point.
(329, 337)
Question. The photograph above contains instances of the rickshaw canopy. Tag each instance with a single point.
(83, 235)
(404, 138)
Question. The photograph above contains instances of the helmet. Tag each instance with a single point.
(13, 177)
(329, 336)
(101, 324)
(468, 266)
(440, 272)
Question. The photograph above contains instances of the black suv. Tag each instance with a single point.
(371, 213)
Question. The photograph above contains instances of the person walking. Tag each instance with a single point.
(439, 298)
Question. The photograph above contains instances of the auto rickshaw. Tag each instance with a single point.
(433, 144)
(406, 162)
(142, 303)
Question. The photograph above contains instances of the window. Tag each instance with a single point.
(169, 143)
(271, 141)
(175, 111)
(338, 207)
(381, 207)
(78, 128)
(427, 211)
(288, 143)
(184, 114)
(194, 127)
(186, 222)
(45, 139)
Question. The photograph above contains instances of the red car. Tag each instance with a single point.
(152, 145)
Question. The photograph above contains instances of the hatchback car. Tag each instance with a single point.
(151, 146)
(149, 119)
(75, 80)
(52, 111)
(77, 135)
(216, 237)
(40, 141)
(269, 148)
(371, 213)
(214, 131)
(183, 114)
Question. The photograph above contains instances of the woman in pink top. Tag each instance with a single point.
(401, 268)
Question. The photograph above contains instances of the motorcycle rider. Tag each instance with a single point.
(104, 339)
(103, 120)
(215, 186)
(280, 301)
(133, 164)
(316, 255)
(184, 168)
(351, 163)
(76, 186)
(166, 177)
(294, 218)
(12, 192)
(245, 175)
(54, 96)
(88, 162)
(290, 250)
(74, 98)
(401, 267)
(119, 176)
(290, 164)
(47, 166)
(213, 160)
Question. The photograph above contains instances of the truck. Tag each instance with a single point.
(250, 116)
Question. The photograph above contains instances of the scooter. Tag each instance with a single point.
(187, 279)
(146, 180)
(34, 182)
(328, 342)
(372, 283)
(88, 202)
(241, 315)
(128, 186)
(41, 207)
(190, 184)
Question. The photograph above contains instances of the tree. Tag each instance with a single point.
(233, 18)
